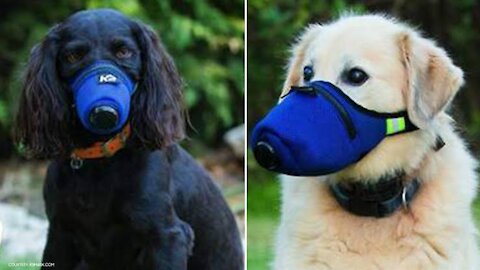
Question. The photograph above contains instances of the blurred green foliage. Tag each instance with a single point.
(263, 213)
(272, 27)
(204, 37)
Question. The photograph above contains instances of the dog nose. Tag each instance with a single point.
(265, 155)
(103, 117)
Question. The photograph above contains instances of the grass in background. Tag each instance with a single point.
(476, 211)
(5, 261)
(261, 232)
(263, 202)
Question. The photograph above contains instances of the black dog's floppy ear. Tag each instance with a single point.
(41, 125)
(157, 115)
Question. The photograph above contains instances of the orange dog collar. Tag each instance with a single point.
(100, 149)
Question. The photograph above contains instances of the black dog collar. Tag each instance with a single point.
(376, 200)
(382, 198)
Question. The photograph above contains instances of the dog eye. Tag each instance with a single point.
(73, 57)
(123, 53)
(307, 73)
(355, 76)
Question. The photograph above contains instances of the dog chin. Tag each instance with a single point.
(402, 153)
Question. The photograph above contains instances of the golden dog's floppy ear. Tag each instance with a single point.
(295, 68)
(433, 80)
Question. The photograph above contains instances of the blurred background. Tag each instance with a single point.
(272, 27)
(206, 40)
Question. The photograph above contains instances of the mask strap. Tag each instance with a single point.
(402, 124)
(398, 125)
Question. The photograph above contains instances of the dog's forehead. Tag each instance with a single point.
(100, 21)
(356, 37)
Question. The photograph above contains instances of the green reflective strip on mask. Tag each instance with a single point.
(389, 126)
(401, 124)
(395, 125)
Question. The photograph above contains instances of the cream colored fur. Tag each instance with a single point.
(407, 71)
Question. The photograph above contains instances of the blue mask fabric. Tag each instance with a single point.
(317, 130)
(102, 93)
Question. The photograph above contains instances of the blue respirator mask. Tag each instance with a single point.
(317, 130)
(102, 94)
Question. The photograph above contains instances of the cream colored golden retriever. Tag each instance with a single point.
(405, 72)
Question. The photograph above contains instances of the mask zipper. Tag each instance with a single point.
(346, 119)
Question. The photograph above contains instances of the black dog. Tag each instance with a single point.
(150, 205)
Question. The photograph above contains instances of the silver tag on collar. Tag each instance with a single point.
(76, 163)
(404, 199)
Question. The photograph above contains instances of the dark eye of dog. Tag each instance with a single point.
(355, 76)
(73, 57)
(123, 53)
(307, 73)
